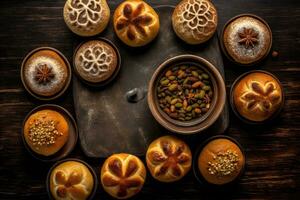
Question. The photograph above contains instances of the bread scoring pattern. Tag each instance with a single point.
(85, 13)
(123, 175)
(198, 17)
(261, 96)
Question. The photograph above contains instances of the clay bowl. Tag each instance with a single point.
(242, 118)
(196, 125)
(195, 167)
(70, 144)
(92, 195)
(223, 45)
(68, 81)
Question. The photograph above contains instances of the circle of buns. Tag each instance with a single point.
(195, 21)
(95, 61)
(71, 180)
(123, 175)
(221, 161)
(136, 23)
(45, 73)
(46, 132)
(257, 96)
(86, 18)
(168, 159)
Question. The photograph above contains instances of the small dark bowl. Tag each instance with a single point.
(115, 73)
(60, 93)
(245, 120)
(92, 195)
(222, 39)
(198, 124)
(196, 170)
(71, 142)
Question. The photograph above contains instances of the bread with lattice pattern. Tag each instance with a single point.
(123, 175)
(168, 159)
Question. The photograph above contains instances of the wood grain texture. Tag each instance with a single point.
(272, 171)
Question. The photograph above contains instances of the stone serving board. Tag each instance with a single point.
(107, 122)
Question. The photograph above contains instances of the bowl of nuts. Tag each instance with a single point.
(186, 94)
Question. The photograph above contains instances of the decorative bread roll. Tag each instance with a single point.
(45, 73)
(257, 96)
(195, 21)
(46, 132)
(221, 161)
(123, 175)
(95, 61)
(247, 39)
(86, 17)
(71, 180)
(168, 159)
(136, 23)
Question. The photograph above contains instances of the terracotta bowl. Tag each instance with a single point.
(196, 125)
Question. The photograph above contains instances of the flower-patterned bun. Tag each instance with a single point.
(86, 17)
(123, 175)
(168, 159)
(257, 96)
(95, 61)
(195, 21)
(136, 23)
(247, 39)
(71, 180)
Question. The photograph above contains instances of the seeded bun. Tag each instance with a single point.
(195, 21)
(86, 18)
(257, 96)
(71, 180)
(46, 132)
(136, 23)
(221, 161)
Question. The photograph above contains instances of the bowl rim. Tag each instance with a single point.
(67, 84)
(224, 48)
(116, 71)
(95, 186)
(245, 120)
(220, 95)
(199, 149)
(55, 156)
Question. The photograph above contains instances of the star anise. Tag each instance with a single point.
(134, 20)
(43, 74)
(206, 99)
(248, 37)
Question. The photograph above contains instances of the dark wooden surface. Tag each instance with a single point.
(273, 167)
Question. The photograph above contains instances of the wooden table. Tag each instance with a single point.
(273, 167)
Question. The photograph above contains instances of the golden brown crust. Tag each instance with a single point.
(195, 21)
(221, 161)
(46, 132)
(96, 61)
(168, 159)
(71, 180)
(86, 18)
(123, 175)
(247, 40)
(257, 96)
(45, 73)
(136, 23)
